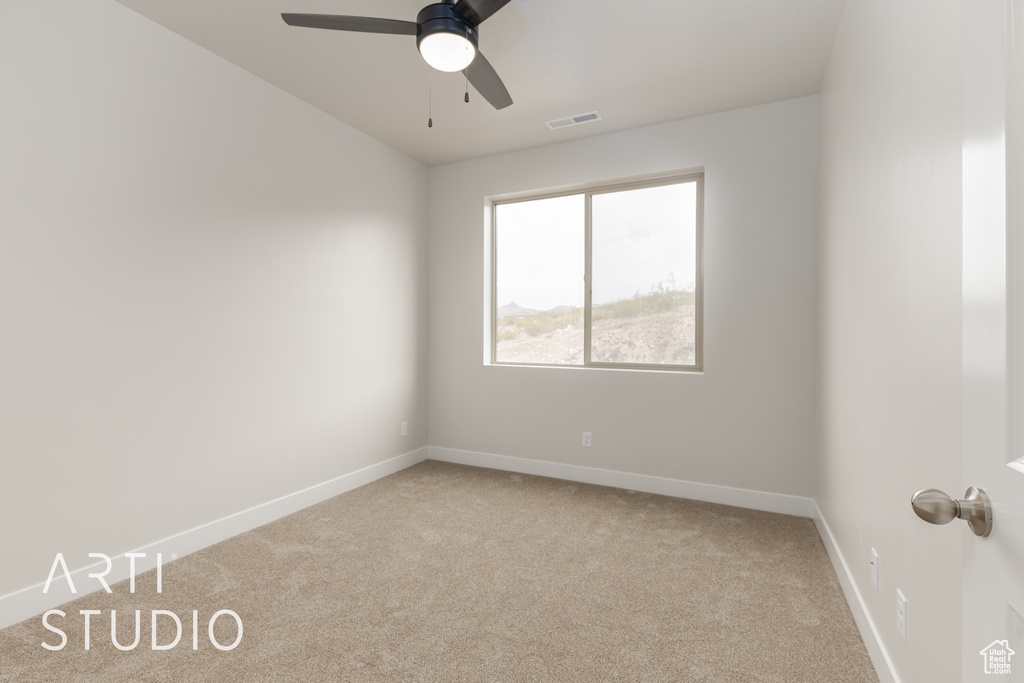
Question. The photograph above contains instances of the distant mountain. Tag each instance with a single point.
(514, 310)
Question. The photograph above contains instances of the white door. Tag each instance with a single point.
(993, 333)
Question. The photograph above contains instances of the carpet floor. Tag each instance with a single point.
(449, 573)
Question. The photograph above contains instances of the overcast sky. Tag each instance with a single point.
(641, 238)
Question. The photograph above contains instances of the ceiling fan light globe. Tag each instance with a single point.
(447, 51)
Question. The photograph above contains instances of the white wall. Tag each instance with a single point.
(211, 294)
(890, 316)
(748, 420)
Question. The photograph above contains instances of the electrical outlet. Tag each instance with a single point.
(901, 613)
(874, 567)
(405, 429)
(587, 439)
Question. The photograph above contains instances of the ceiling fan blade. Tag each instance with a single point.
(339, 22)
(478, 10)
(486, 81)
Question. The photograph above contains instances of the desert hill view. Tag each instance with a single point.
(655, 328)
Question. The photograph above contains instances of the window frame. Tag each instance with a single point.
(588, 190)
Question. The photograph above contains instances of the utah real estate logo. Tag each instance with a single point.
(997, 657)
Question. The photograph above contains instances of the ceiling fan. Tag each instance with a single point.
(446, 35)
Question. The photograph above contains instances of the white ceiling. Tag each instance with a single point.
(637, 63)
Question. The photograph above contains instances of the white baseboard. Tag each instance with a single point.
(28, 602)
(879, 656)
(710, 493)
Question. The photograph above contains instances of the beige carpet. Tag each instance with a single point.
(450, 573)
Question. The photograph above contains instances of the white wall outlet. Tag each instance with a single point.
(901, 613)
(587, 440)
(405, 429)
(874, 567)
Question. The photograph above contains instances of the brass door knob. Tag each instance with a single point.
(936, 507)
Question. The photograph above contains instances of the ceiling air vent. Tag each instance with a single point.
(574, 120)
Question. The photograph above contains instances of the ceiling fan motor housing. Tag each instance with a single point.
(442, 18)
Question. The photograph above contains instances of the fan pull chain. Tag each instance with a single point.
(430, 99)
(466, 71)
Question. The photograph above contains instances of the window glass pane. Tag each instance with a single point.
(644, 275)
(539, 247)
